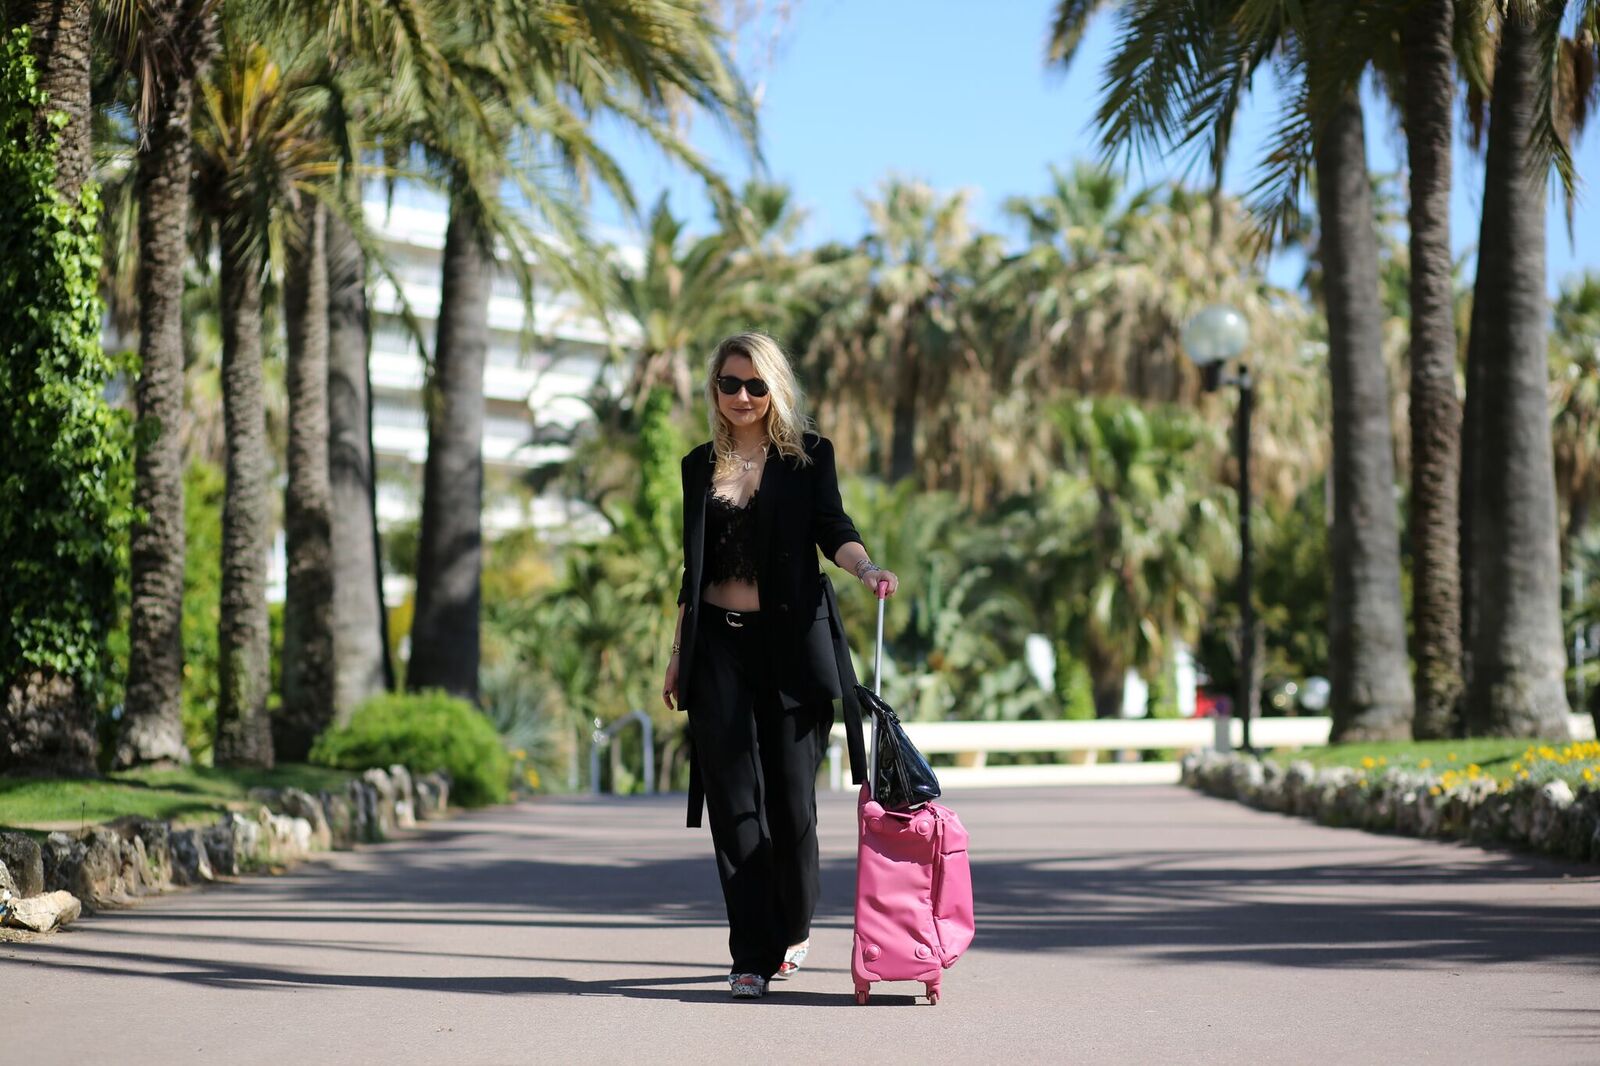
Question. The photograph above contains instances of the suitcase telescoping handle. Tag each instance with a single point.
(877, 682)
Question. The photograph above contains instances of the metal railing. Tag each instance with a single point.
(601, 739)
(975, 741)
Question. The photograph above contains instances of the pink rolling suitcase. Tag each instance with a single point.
(913, 884)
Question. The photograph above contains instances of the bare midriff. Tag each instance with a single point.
(732, 596)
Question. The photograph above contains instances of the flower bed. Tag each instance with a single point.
(1531, 803)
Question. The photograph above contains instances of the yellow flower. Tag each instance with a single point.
(1588, 775)
(533, 777)
(1435, 791)
(1368, 762)
(519, 754)
(1383, 760)
(1451, 756)
(1523, 775)
(1424, 764)
(1515, 767)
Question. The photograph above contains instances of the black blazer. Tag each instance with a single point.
(797, 510)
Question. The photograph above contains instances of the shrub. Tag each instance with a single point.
(424, 731)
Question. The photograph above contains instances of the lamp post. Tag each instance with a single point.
(1213, 338)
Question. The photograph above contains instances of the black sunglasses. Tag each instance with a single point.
(731, 385)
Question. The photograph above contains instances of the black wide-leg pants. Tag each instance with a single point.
(759, 765)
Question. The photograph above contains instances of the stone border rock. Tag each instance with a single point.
(44, 887)
(1546, 817)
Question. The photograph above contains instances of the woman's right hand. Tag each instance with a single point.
(669, 687)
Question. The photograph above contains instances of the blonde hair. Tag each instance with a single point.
(787, 422)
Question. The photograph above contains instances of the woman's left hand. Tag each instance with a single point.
(874, 578)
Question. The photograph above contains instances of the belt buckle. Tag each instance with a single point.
(732, 619)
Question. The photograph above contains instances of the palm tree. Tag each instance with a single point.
(1427, 50)
(1515, 686)
(308, 668)
(639, 61)
(1178, 75)
(1146, 544)
(257, 147)
(173, 41)
(60, 38)
(360, 644)
(883, 349)
(686, 295)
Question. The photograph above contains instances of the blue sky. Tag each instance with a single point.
(957, 94)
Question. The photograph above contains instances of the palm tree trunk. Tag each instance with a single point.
(244, 734)
(444, 632)
(152, 723)
(1426, 44)
(1517, 686)
(361, 667)
(903, 447)
(60, 40)
(1372, 697)
(307, 674)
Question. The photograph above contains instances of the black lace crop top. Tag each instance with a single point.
(730, 540)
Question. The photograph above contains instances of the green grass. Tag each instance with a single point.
(1507, 760)
(194, 794)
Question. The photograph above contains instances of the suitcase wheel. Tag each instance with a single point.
(933, 993)
(863, 993)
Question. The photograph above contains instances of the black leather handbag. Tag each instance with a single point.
(902, 780)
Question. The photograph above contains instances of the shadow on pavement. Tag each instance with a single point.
(1321, 899)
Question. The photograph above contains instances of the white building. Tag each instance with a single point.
(532, 377)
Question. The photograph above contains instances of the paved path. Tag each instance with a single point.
(1115, 925)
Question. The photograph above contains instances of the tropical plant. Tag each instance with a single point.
(1150, 536)
(683, 297)
(167, 43)
(1514, 681)
(1575, 402)
(547, 69)
(257, 149)
(1178, 76)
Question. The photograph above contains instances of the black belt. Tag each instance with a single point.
(847, 690)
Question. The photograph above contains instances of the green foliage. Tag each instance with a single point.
(531, 719)
(1291, 598)
(424, 731)
(66, 470)
(204, 487)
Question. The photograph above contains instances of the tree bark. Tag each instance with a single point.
(1372, 697)
(152, 724)
(903, 446)
(244, 734)
(360, 625)
(1427, 47)
(60, 40)
(444, 632)
(1517, 686)
(307, 673)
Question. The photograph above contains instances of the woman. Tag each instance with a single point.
(759, 656)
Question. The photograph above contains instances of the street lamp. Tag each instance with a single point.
(1213, 338)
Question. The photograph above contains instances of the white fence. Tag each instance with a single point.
(972, 743)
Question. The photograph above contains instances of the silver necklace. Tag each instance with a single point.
(750, 464)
